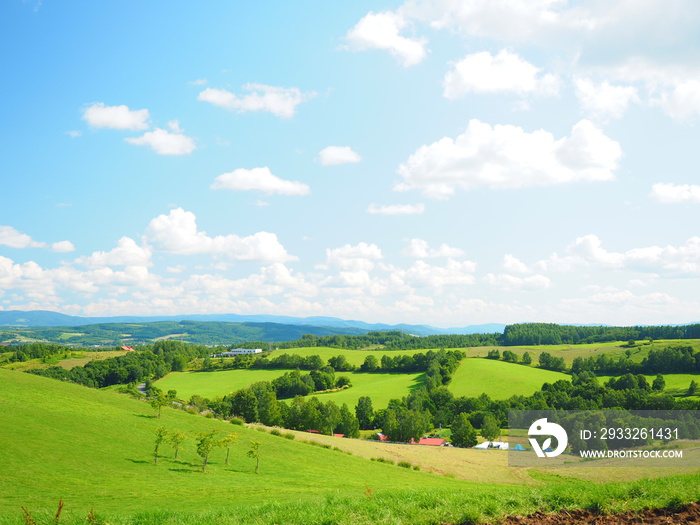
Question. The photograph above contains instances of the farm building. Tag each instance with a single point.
(433, 442)
(238, 351)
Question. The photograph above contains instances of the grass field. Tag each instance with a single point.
(571, 352)
(212, 384)
(498, 379)
(94, 449)
(77, 358)
(380, 387)
(676, 384)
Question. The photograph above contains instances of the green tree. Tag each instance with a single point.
(161, 434)
(463, 433)
(206, 441)
(159, 401)
(254, 453)
(692, 389)
(226, 442)
(526, 359)
(490, 429)
(365, 412)
(175, 439)
(659, 383)
(349, 425)
(244, 404)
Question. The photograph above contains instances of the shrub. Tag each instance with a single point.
(275, 432)
(405, 464)
(236, 421)
(416, 467)
(385, 460)
(289, 435)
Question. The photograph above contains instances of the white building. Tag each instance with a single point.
(238, 351)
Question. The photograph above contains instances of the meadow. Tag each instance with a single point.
(498, 379)
(94, 450)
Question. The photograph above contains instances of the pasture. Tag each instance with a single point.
(498, 379)
(94, 450)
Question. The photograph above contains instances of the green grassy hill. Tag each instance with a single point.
(95, 449)
(498, 379)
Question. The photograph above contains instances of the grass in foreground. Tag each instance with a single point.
(415, 507)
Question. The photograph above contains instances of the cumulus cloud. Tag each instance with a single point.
(669, 261)
(63, 247)
(604, 100)
(504, 73)
(508, 157)
(165, 142)
(177, 233)
(420, 249)
(511, 282)
(682, 102)
(126, 253)
(424, 275)
(383, 31)
(675, 193)
(512, 264)
(98, 115)
(14, 239)
(258, 179)
(396, 209)
(279, 101)
(333, 155)
(360, 257)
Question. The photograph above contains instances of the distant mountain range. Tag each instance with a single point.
(42, 318)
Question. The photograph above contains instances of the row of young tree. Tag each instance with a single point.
(205, 443)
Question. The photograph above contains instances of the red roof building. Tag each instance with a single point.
(128, 349)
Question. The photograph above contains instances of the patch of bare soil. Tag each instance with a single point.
(687, 514)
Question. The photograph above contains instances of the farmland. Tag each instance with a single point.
(48, 424)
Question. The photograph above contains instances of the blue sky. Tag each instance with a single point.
(428, 161)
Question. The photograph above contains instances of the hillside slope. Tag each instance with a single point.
(95, 449)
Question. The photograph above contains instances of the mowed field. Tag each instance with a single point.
(498, 379)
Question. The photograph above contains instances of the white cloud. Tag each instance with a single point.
(383, 31)
(675, 193)
(164, 142)
(604, 100)
(63, 247)
(420, 249)
(177, 233)
(504, 20)
(116, 117)
(424, 275)
(512, 264)
(333, 155)
(279, 101)
(683, 101)
(669, 261)
(360, 257)
(507, 157)
(74, 134)
(14, 239)
(396, 209)
(199, 82)
(504, 73)
(511, 282)
(258, 179)
(127, 253)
